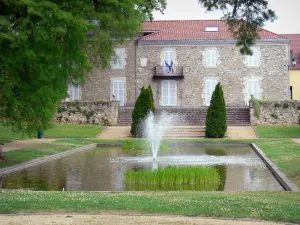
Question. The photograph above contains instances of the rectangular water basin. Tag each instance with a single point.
(103, 169)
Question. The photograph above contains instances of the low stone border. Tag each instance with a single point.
(285, 182)
(109, 145)
(35, 162)
(215, 144)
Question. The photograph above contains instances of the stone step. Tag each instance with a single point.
(191, 116)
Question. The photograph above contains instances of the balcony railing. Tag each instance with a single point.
(161, 72)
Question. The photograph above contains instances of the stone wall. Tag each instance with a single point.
(276, 112)
(101, 112)
(231, 71)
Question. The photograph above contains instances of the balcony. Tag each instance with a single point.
(161, 72)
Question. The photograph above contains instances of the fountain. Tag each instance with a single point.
(154, 130)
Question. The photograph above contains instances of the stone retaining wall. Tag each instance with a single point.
(100, 112)
(276, 112)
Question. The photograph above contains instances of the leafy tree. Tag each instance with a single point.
(244, 18)
(46, 44)
(216, 118)
(144, 104)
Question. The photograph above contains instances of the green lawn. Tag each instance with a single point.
(285, 153)
(56, 131)
(6, 134)
(278, 131)
(73, 131)
(19, 156)
(274, 206)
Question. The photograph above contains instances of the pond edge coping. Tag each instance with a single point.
(284, 181)
(12, 169)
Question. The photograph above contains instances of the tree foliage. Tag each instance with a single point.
(244, 18)
(216, 118)
(143, 105)
(46, 44)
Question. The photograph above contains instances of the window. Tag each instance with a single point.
(169, 93)
(211, 57)
(253, 61)
(74, 93)
(291, 92)
(252, 89)
(210, 86)
(169, 60)
(118, 61)
(211, 29)
(119, 91)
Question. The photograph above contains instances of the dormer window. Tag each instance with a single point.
(212, 29)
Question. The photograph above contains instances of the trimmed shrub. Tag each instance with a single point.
(143, 105)
(216, 118)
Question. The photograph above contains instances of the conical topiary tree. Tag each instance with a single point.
(216, 118)
(143, 105)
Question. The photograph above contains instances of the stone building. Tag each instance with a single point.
(294, 66)
(184, 60)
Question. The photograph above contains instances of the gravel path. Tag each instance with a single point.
(71, 219)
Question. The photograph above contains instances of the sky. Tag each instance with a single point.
(287, 11)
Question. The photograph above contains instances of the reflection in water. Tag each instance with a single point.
(92, 170)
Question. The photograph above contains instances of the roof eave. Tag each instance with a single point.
(214, 41)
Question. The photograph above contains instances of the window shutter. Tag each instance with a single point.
(207, 55)
(214, 57)
(255, 88)
(210, 86)
(252, 89)
(249, 90)
(167, 56)
(119, 91)
(169, 93)
(211, 57)
(207, 92)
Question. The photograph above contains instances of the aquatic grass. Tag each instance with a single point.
(142, 146)
(173, 178)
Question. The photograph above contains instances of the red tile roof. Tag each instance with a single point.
(295, 47)
(193, 30)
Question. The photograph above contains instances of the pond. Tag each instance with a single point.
(234, 168)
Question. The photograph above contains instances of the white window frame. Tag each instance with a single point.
(116, 92)
(252, 82)
(74, 93)
(209, 83)
(171, 57)
(254, 60)
(211, 57)
(166, 86)
(212, 29)
(118, 61)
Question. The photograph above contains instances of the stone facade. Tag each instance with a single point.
(99, 83)
(141, 59)
(101, 112)
(276, 112)
(231, 70)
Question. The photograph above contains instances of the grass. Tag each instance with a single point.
(23, 155)
(173, 178)
(273, 206)
(56, 131)
(285, 153)
(6, 134)
(73, 131)
(278, 131)
(142, 146)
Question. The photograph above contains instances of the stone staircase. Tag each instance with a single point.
(182, 132)
(236, 116)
